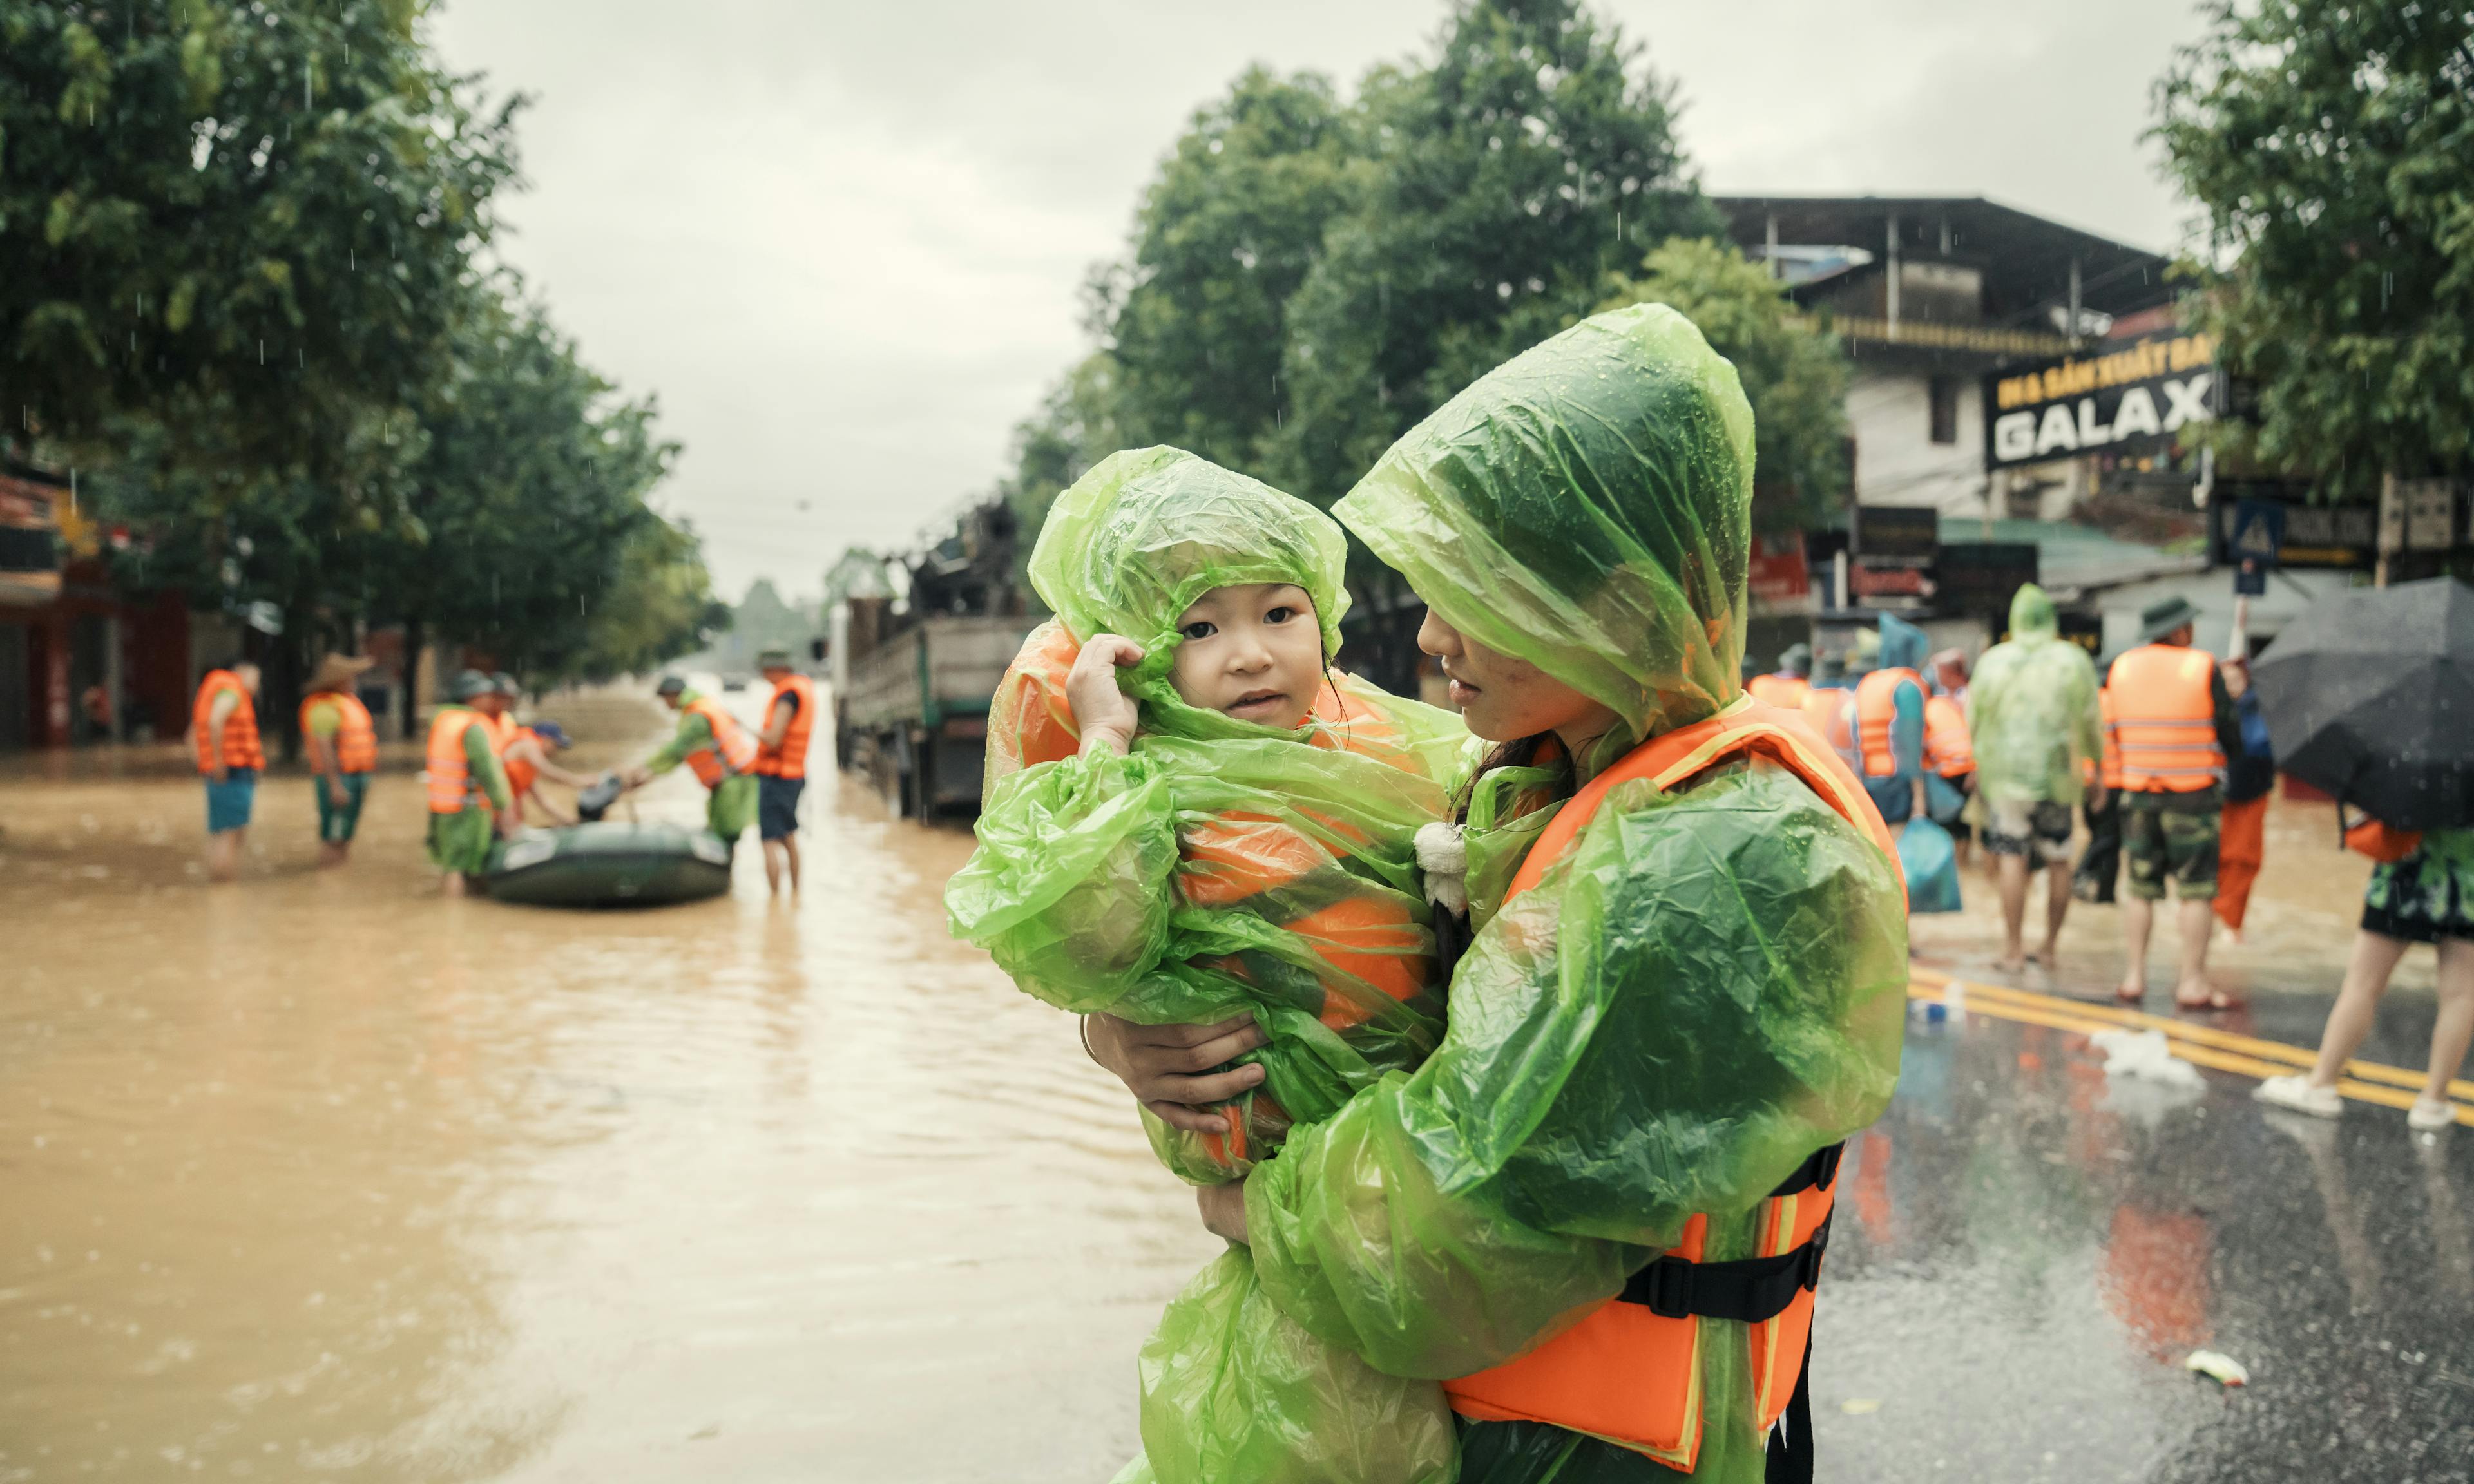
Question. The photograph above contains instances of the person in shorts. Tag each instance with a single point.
(2173, 725)
(2034, 728)
(342, 744)
(2425, 896)
(782, 766)
(222, 738)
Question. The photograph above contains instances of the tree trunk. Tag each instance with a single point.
(283, 678)
(414, 637)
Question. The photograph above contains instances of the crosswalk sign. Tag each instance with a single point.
(2252, 546)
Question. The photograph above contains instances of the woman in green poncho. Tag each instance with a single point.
(1703, 988)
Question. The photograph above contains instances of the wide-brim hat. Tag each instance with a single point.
(2161, 619)
(472, 684)
(773, 658)
(337, 672)
(671, 686)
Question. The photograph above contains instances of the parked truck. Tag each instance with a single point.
(913, 675)
(915, 713)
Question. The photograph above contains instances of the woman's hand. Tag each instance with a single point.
(1105, 714)
(1223, 1209)
(1160, 1065)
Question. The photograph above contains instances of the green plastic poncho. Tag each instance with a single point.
(1221, 868)
(2032, 709)
(1707, 988)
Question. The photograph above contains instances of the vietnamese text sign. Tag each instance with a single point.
(2129, 399)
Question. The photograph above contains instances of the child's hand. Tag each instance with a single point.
(1105, 714)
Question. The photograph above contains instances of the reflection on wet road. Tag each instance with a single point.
(2026, 1252)
(325, 1175)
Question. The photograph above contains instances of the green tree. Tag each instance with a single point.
(1536, 155)
(2330, 146)
(247, 224)
(529, 491)
(1196, 317)
(1076, 426)
(1795, 376)
(661, 607)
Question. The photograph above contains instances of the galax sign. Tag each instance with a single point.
(2129, 399)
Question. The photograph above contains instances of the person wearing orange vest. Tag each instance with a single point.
(719, 750)
(1950, 750)
(223, 736)
(2175, 723)
(525, 755)
(469, 806)
(1786, 688)
(782, 766)
(1597, 1213)
(342, 741)
(1890, 730)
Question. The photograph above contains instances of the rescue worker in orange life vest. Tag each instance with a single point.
(2174, 725)
(721, 751)
(342, 741)
(1889, 727)
(526, 756)
(468, 802)
(223, 736)
(782, 766)
(1788, 684)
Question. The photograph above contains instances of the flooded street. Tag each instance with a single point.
(327, 1175)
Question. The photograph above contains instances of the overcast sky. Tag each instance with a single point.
(843, 241)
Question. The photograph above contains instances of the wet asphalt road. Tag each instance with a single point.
(2025, 1250)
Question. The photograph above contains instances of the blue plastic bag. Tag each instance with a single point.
(1931, 864)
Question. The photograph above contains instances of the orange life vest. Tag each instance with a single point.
(738, 750)
(2164, 719)
(356, 740)
(789, 758)
(453, 788)
(1824, 712)
(2109, 766)
(1876, 703)
(1630, 1370)
(239, 746)
(1784, 691)
(1949, 751)
(521, 775)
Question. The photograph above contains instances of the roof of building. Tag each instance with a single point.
(2074, 561)
(2026, 258)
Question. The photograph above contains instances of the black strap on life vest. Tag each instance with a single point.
(1750, 1289)
(1789, 1459)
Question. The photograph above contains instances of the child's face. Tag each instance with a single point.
(1254, 652)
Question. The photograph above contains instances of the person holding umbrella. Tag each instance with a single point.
(2175, 723)
(2366, 697)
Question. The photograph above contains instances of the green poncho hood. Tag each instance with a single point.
(1131, 545)
(2031, 614)
(1585, 507)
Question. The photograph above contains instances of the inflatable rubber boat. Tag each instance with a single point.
(610, 864)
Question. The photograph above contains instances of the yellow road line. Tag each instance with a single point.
(2201, 1045)
(2298, 1057)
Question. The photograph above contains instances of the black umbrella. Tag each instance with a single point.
(2370, 696)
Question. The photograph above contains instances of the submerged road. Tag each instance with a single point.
(323, 1175)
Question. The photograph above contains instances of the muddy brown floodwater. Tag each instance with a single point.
(325, 1175)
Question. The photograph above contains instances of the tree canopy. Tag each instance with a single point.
(2330, 146)
(247, 297)
(1308, 275)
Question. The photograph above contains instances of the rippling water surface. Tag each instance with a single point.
(323, 1174)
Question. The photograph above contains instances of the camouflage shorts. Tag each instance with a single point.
(2161, 843)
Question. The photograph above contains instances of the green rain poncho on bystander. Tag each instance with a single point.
(2031, 705)
(1219, 867)
(1704, 991)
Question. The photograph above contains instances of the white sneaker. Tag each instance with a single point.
(2295, 1091)
(2427, 1115)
